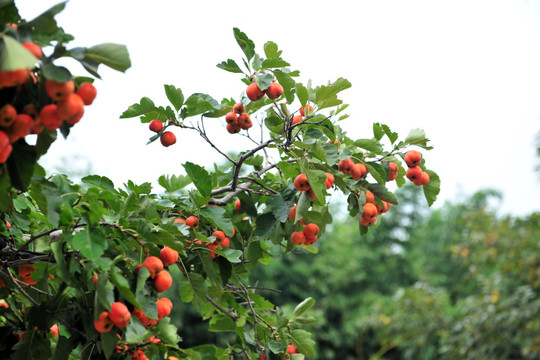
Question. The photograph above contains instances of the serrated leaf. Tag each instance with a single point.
(145, 106)
(175, 96)
(218, 217)
(135, 331)
(370, 145)
(391, 134)
(416, 136)
(264, 80)
(302, 340)
(173, 183)
(274, 63)
(15, 56)
(200, 103)
(91, 242)
(245, 43)
(432, 189)
(230, 66)
(122, 285)
(45, 22)
(288, 84)
(301, 93)
(381, 192)
(271, 50)
(265, 225)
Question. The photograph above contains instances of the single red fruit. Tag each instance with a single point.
(21, 127)
(239, 108)
(155, 125)
(253, 92)
(59, 90)
(345, 166)
(87, 91)
(370, 198)
(71, 109)
(296, 119)
(8, 114)
(54, 330)
(163, 281)
(154, 265)
(192, 222)
(414, 174)
(168, 256)
(231, 118)
(237, 205)
(49, 117)
(301, 183)
(233, 128)
(164, 307)
(298, 237)
(274, 91)
(119, 314)
(424, 179)
(413, 158)
(168, 138)
(307, 108)
(311, 230)
(291, 349)
(393, 171)
(358, 171)
(244, 121)
(103, 324)
(14, 78)
(292, 213)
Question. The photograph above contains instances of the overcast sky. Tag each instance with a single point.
(467, 72)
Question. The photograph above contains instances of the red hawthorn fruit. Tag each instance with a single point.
(298, 237)
(292, 213)
(414, 174)
(163, 281)
(231, 117)
(21, 127)
(119, 314)
(311, 230)
(370, 198)
(155, 125)
(309, 109)
(370, 214)
(103, 324)
(424, 179)
(345, 166)
(239, 108)
(301, 183)
(296, 119)
(233, 128)
(244, 121)
(59, 90)
(168, 256)
(14, 78)
(237, 205)
(71, 109)
(413, 158)
(253, 92)
(192, 222)
(291, 349)
(164, 307)
(87, 91)
(329, 182)
(274, 91)
(358, 171)
(393, 169)
(8, 114)
(49, 117)
(154, 265)
(54, 330)
(168, 138)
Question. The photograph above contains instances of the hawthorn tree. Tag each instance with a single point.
(94, 271)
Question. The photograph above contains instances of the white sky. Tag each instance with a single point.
(466, 71)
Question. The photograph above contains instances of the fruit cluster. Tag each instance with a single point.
(167, 138)
(221, 240)
(357, 171)
(274, 91)
(24, 111)
(303, 110)
(414, 172)
(238, 119)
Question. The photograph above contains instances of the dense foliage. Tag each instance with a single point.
(94, 271)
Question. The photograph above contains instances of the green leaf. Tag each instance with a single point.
(281, 203)
(264, 80)
(15, 56)
(304, 203)
(274, 63)
(122, 285)
(56, 73)
(20, 164)
(218, 217)
(247, 46)
(378, 131)
(265, 225)
(271, 50)
(200, 177)
(303, 341)
(302, 94)
(377, 171)
(114, 56)
(144, 107)
(303, 306)
(167, 331)
(289, 85)
(220, 323)
(108, 340)
(370, 145)
(5, 185)
(135, 331)
(417, 137)
(91, 242)
(230, 66)
(193, 286)
(174, 183)
(33, 345)
(63, 348)
(381, 192)
(45, 23)
(199, 103)
(175, 96)
(432, 189)
(45, 193)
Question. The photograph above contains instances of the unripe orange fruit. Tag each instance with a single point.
(119, 314)
(59, 90)
(49, 117)
(163, 281)
(274, 91)
(87, 91)
(168, 256)
(71, 109)
(155, 125)
(103, 324)
(301, 182)
(298, 237)
(296, 119)
(154, 265)
(8, 114)
(253, 92)
(168, 138)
